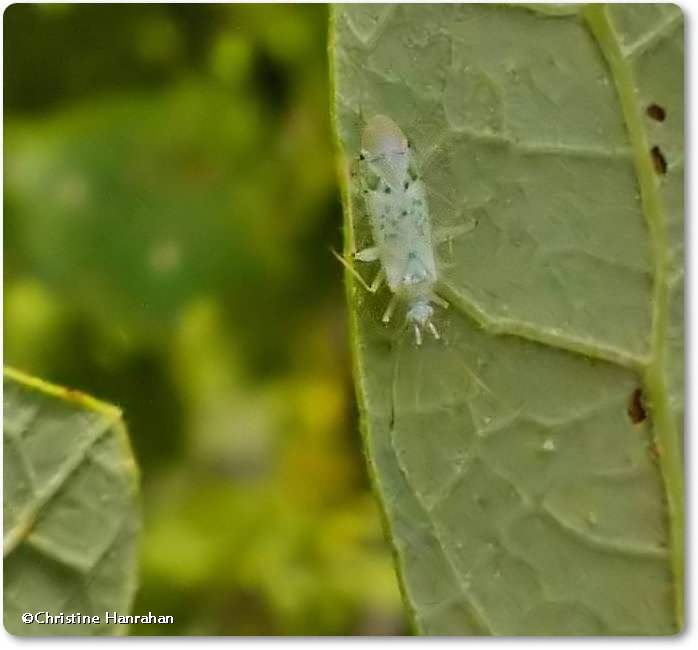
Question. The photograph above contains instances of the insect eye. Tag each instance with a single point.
(362, 157)
(407, 184)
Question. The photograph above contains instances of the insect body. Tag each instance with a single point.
(398, 213)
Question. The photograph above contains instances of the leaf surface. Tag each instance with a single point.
(529, 464)
(70, 508)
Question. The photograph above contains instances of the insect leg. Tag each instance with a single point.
(449, 233)
(438, 300)
(377, 281)
(391, 308)
(347, 265)
(367, 254)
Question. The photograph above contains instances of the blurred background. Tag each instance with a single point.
(170, 200)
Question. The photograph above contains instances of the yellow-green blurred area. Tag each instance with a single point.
(170, 201)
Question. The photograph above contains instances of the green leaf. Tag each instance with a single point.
(70, 508)
(529, 463)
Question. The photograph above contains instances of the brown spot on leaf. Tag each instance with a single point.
(658, 160)
(636, 407)
(656, 112)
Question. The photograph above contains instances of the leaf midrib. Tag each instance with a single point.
(653, 373)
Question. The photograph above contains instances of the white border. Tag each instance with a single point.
(601, 643)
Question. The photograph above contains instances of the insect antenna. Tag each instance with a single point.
(433, 330)
(417, 334)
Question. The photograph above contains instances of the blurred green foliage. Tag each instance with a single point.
(170, 199)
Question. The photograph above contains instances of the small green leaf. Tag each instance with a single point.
(529, 463)
(70, 508)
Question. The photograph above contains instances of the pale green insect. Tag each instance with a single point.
(398, 213)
